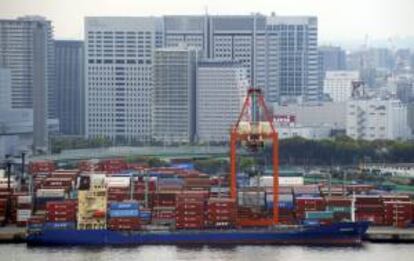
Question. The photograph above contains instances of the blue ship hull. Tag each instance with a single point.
(336, 234)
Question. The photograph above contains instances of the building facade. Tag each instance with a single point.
(26, 48)
(5, 89)
(16, 125)
(377, 119)
(324, 114)
(333, 58)
(174, 96)
(338, 84)
(279, 53)
(70, 87)
(221, 88)
(118, 76)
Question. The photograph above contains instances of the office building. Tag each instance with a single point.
(338, 84)
(26, 48)
(118, 76)
(279, 53)
(5, 89)
(333, 58)
(174, 96)
(221, 88)
(16, 125)
(372, 119)
(69, 88)
(324, 114)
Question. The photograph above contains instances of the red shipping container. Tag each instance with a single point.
(125, 223)
(375, 218)
(398, 213)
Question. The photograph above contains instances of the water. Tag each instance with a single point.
(368, 252)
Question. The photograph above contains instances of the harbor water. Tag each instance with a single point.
(368, 251)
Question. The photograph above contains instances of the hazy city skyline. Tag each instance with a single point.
(339, 21)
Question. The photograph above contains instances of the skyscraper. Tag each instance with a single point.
(279, 53)
(69, 88)
(118, 76)
(174, 108)
(221, 88)
(5, 89)
(26, 48)
(333, 58)
(298, 75)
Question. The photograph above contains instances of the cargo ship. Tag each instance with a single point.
(180, 207)
(339, 234)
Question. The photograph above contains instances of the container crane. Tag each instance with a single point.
(252, 132)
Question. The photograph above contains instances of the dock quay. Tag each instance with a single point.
(12, 234)
(390, 235)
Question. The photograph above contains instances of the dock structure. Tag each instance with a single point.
(390, 235)
(12, 234)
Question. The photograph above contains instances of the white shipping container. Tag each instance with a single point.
(252, 198)
(50, 193)
(117, 182)
(97, 180)
(291, 181)
(24, 199)
(282, 197)
(3, 183)
(267, 181)
(23, 214)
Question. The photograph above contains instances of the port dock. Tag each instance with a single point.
(12, 234)
(390, 235)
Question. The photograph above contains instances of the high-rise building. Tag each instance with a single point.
(174, 96)
(5, 89)
(279, 53)
(26, 48)
(221, 88)
(333, 58)
(372, 119)
(69, 88)
(118, 76)
(338, 84)
(298, 59)
(16, 125)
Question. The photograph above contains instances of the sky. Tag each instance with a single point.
(339, 20)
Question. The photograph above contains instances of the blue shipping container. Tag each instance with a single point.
(282, 204)
(60, 225)
(123, 205)
(115, 213)
(171, 181)
(145, 215)
(185, 166)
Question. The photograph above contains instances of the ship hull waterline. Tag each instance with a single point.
(344, 234)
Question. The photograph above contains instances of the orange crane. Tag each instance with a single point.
(252, 132)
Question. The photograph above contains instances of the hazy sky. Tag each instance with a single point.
(339, 20)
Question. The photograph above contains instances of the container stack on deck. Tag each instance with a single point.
(340, 206)
(164, 208)
(190, 210)
(170, 197)
(286, 205)
(369, 208)
(221, 213)
(24, 210)
(124, 216)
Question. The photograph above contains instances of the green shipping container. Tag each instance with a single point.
(319, 215)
